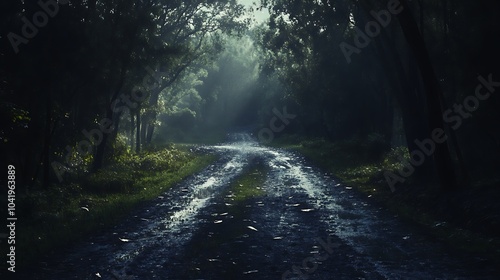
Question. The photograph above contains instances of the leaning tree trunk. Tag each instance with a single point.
(432, 91)
(101, 148)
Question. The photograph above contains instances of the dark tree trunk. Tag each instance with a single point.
(113, 135)
(411, 105)
(421, 14)
(144, 129)
(451, 73)
(433, 92)
(132, 127)
(150, 116)
(138, 132)
(46, 146)
(406, 95)
(151, 128)
(101, 148)
(125, 61)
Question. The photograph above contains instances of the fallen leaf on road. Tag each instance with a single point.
(252, 228)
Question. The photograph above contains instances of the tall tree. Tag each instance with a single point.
(433, 94)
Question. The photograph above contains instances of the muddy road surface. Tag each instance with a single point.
(293, 222)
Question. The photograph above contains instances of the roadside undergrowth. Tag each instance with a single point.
(67, 212)
(456, 219)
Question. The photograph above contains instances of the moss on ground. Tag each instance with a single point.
(228, 225)
(249, 185)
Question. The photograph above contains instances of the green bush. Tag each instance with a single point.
(122, 175)
(315, 143)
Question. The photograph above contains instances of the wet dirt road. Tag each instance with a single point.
(303, 225)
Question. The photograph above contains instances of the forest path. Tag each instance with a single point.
(302, 225)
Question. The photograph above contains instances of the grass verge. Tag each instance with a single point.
(67, 213)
